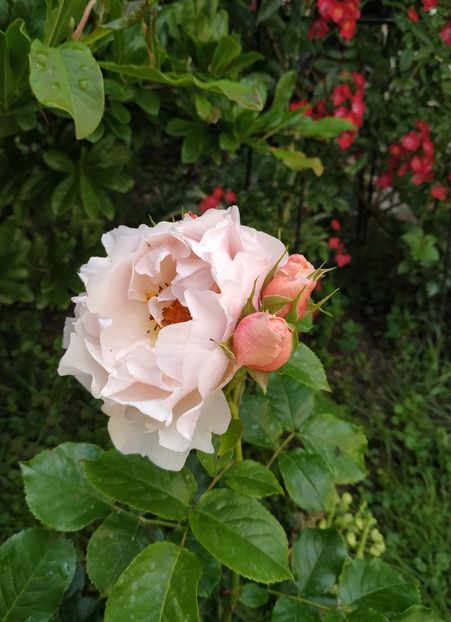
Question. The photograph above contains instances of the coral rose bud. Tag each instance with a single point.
(263, 342)
(292, 280)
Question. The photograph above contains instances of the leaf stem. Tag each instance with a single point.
(301, 599)
(288, 440)
(148, 521)
(361, 549)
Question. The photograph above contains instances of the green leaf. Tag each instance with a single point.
(307, 479)
(341, 444)
(227, 49)
(57, 491)
(289, 610)
(213, 463)
(374, 584)
(36, 568)
(63, 195)
(247, 96)
(231, 437)
(112, 547)
(366, 615)
(317, 560)
(329, 127)
(14, 48)
(305, 367)
(259, 426)
(160, 585)
(149, 101)
(68, 78)
(417, 614)
(267, 9)
(284, 91)
(60, 14)
(196, 143)
(291, 402)
(253, 596)
(240, 533)
(137, 482)
(95, 200)
(180, 127)
(58, 161)
(205, 110)
(297, 161)
(252, 479)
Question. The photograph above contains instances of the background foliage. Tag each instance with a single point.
(144, 109)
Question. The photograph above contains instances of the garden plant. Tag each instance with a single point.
(256, 192)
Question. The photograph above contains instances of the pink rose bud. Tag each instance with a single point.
(292, 280)
(263, 342)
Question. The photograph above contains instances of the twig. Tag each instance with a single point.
(76, 35)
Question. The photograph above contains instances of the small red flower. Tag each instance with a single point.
(439, 191)
(334, 243)
(346, 140)
(230, 196)
(342, 260)
(412, 14)
(218, 192)
(384, 180)
(210, 202)
(411, 141)
(335, 224)
(429, 4)
(396, 150)
(446, 34)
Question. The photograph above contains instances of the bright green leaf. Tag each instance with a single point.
(307, 479)
(284, 91)
(317, 560)
(227, 49)
(252, 479)
(341, 444)
(417, 614)
(159, 585)
(374, 584)
(329, 127)
(57, 491)
(36, 568)
(231, 437)
(240, 533)
(112, 547)
(137, 482)
(291, 402)
(305, 367)
(297, 161)
(68, 78)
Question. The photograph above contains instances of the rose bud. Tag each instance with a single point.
(292, 281)
(262, 341)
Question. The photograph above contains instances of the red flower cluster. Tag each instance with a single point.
(344, 13)
(412, 12)
(446, 34)
(429, 4)
(336, 244)
(414, 153)
(212, 201)
(348, 100)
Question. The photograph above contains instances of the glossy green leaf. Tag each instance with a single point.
(14, 48)
(227, 49)
(240, 533)
(252, 479)
(290, 610)
(36, 568)
(56, 488)
(305, 367)
(259, 426)
(417, 614)
(247, 96)
(297, 161)
(374, 584)
(253, 596)
(317, 560)
(307, 479)
(159, 585)
(329, 127)
(231, 437)
(290, 402)
(68, 78)
(137, 482)
(341, 444)
(284, 90)
(112, 547)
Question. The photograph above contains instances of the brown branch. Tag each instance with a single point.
(76, 36)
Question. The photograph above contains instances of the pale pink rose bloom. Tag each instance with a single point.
(263, 342)
(290, 279)
(146, 333)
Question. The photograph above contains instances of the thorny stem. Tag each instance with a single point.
(301, 599)
(234, 403)
(288, 440)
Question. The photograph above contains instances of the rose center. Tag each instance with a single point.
(175, 313)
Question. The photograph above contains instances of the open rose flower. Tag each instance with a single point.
(146, 333)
